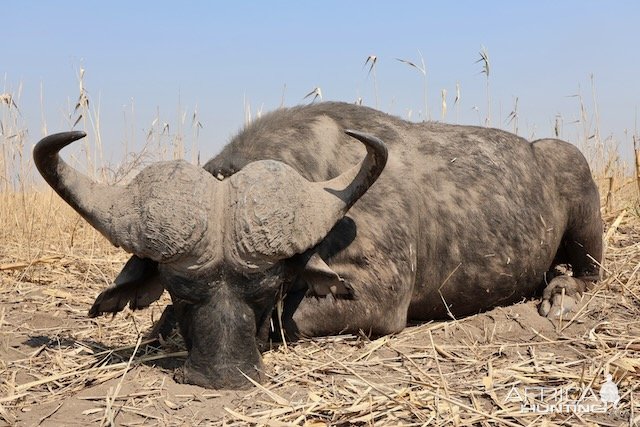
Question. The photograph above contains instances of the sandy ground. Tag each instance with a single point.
(58, 367)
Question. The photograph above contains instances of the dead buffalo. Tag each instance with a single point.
(460, 220)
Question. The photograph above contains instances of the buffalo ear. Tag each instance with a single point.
(322, 280)
(138, 284)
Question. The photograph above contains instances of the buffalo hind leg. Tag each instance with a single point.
(561, 296)
(581, 248)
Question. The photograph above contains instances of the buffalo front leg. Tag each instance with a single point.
(165, 326)
(375, 313)
(363, 282)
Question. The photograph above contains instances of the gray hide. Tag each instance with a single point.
(461, 219)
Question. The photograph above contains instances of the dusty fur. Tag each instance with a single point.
(461, 219)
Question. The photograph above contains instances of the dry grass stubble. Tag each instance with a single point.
(59, 367)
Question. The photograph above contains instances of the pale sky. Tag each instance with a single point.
(171, 58)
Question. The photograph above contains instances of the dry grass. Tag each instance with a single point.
(58, 367)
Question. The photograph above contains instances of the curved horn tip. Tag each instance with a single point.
(56, 141)
(76, 134)
(367, 139)
(72, 135)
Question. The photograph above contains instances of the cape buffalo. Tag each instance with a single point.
(460, 220)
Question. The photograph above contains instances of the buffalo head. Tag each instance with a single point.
(221, 248)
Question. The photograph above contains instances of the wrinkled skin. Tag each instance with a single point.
(472, 216)
(461, 219)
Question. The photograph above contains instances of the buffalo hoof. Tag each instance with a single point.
(561, 297)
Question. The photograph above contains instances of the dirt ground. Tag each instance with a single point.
(58, 367)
